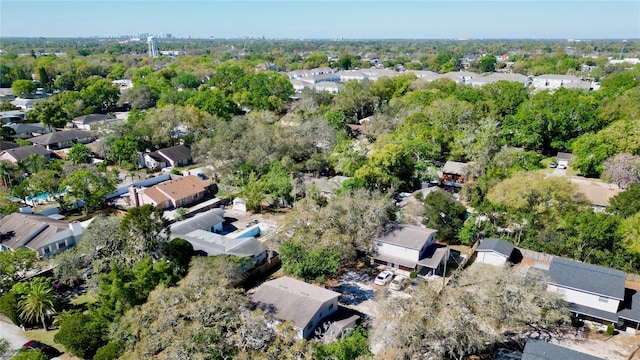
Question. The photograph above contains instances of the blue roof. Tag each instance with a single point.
(588, 278)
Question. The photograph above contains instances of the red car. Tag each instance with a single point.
(44, 348)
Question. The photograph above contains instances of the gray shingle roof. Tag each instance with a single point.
(92, 118)
(290, 299)
(594, 313)
(587, 278)
(215, 244)
(30, 230)
(202, 221)
(499, 246)
(540, 350)
(631, 310)
(175, 153)
(60, 136)
(21, 153)
(409, 236)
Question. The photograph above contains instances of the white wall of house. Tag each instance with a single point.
(491, 258)
(398, 251)
(325, 310)
(586, 299)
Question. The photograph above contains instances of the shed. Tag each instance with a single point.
(494, 251)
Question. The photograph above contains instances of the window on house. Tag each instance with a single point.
(603, 300)
(61, 244)
(195, 196)
(47, 250)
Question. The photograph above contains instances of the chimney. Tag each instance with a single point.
(134, 200)
(76, 228)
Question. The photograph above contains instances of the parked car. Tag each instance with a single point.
(201, 176)
(399, 282)
(553, 165)
(43, 348)
(383, 278)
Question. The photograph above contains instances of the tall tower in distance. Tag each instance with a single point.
(153, 49)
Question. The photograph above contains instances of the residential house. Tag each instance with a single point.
(453, 175)
(592, 291)
(288, 299)
(494, 251)
(553, 82)
(26, 131)
(6, 145)
(13, 156)
(174, 156)
(63, 139)
(410, 248)
(540, 350)
(180, 192)
(210, 220)
(84, 122)
(205, 243)
(39, 233)
(26, 104)
(12, 115)
(202, 232)
(599, 194)
(564, 159)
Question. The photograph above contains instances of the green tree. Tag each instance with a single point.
(309, 264)
(50, 113)
(147, 229)
(13, 265)
(88, 187)
(254, 192)
(626, 203)
(101, 95)
(82, 335)
(488, 63)
(350, 347)
(112, 351)
(39, 303)
(46, 182)
(79, 154)
(629, 231)
(180, 252)
(23, 88)
(139, 98)
(186, 81)
(444, 214)
(30, 355)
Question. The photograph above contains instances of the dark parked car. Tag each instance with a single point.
(44, 348)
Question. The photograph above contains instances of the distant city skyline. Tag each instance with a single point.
(352, 19)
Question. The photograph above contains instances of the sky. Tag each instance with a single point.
(319, 19)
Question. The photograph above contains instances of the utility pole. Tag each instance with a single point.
(444, 273)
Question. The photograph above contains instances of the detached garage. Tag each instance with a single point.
(494, 251)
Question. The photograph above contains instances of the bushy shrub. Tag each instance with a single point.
(111, 351)
(9, 307)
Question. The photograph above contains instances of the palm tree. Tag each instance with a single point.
(39, 303)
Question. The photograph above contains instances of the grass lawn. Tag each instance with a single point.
(84, 299)
(44, 337)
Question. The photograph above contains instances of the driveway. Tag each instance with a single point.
(12, 333)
